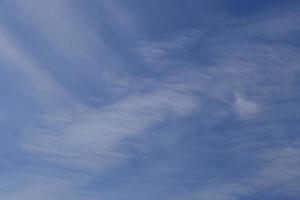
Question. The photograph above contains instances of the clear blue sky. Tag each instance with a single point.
(149, 100)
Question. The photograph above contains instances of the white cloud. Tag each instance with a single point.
(28, 67)
(223, 192)
(166, 51)
(122, 16)
(246, 108)
(64, 29)
(93, 138)
(281, 166)
(41, 187)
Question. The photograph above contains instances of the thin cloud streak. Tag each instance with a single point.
(64, 29)
(24, 64)
(279, 168)
(93, 138)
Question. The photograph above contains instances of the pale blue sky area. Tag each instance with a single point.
(144, 100)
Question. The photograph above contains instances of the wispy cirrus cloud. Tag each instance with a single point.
(165, 51)
(29, 69)
(247, 74)
(246, 108)
(63, 28)
(93, 138)
(279, 170)
(236, 75)
(46, 188)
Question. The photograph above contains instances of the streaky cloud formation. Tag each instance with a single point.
(149, 100)
(92, 137)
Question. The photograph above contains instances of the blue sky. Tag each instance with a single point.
(143, 100)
